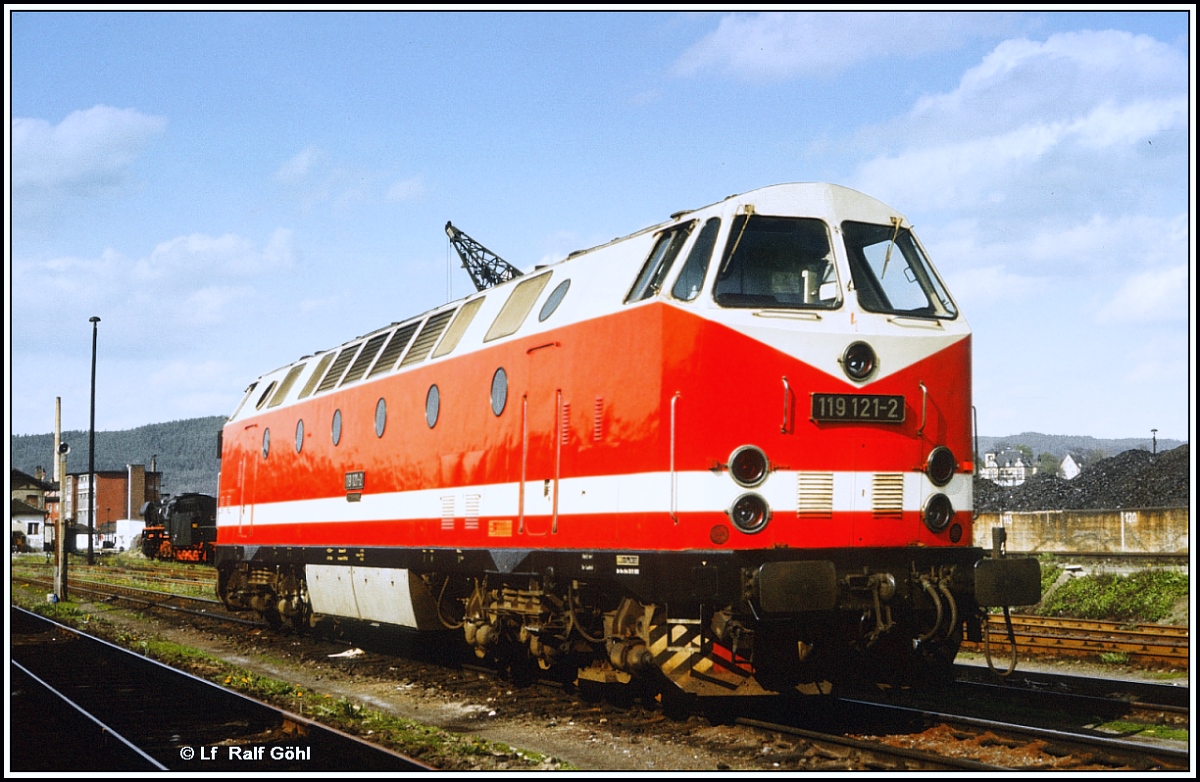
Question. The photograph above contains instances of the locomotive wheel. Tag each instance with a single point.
(782, 661)
(516, 664)
(300, 621)
(935, 658)
(273, 619)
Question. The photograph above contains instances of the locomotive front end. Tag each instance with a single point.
(835, 413)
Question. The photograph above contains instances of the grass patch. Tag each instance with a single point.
(1144, 730)
(439, 748)
(1146, 596)
(1050, 574)
(1167, 675)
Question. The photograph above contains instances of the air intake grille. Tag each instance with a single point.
(395, 346)
(359, 367)
(815, 493)
(887, 494)
(426, 339)
(339, 366)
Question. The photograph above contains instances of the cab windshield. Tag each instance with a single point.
(891, 275)
(778, 263)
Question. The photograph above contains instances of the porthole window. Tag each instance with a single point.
(554, 299)
(337, 426)
(432, 405)
(299, 435)
(266, 441)
(380, 417)
(499, 391)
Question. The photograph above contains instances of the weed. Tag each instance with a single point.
(1145, 596)
(1145, 730)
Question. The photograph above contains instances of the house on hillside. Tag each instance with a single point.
(28, 526)
(27, 510)
(1072, 465)
(1006, 468)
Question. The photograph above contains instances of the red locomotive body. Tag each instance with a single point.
(732, 449)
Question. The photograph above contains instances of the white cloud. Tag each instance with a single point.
(1154, 294)
(406, 189)
(1096, 261)
(973, 287)
(91, 153)
(313, 176)
(1082, 124)
(181, 284)
(214, 304)
(186, 259)
(774, 46)
(1060, 79)
(1105, 245)
(296, 169)
(959, 174)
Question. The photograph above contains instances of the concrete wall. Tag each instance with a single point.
(1144, 530)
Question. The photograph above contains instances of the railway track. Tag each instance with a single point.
(1107, 696)
(960, 728)
(1020, 746)
(906, 748)
(134, 714)
(1140, 644)
(207, 607)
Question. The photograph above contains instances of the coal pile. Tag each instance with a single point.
(1133, 479)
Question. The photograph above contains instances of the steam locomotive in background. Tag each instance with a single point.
(729, 453)
(180, 529)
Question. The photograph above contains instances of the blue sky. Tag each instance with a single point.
(230, 191)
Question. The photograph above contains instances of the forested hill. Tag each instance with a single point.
(1059, 445)
(186, 452)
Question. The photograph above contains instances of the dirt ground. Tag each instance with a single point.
(540, 727)
(555, 726)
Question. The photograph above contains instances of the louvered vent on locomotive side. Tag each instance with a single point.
(338, 367)
(395, 346)
(815, 494)
(887, 494)
(426, 339)
(359, 367)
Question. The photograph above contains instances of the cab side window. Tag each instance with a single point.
(691, 278)
(649, 281)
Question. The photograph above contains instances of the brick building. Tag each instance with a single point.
(120, 494)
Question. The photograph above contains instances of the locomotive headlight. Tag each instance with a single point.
(858, 361)
(749, 513)
(940, 465)
(938, 512)
(748, 466)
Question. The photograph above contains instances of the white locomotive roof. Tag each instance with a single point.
(598, 280)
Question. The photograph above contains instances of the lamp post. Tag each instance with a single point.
(92, 451)
(60, 536)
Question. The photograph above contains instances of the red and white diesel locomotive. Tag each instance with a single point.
(732, 451)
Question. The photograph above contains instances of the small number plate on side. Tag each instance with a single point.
(883, 408)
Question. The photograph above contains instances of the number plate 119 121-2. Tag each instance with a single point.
(884, 408)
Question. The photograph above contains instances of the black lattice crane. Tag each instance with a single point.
(485, 267)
